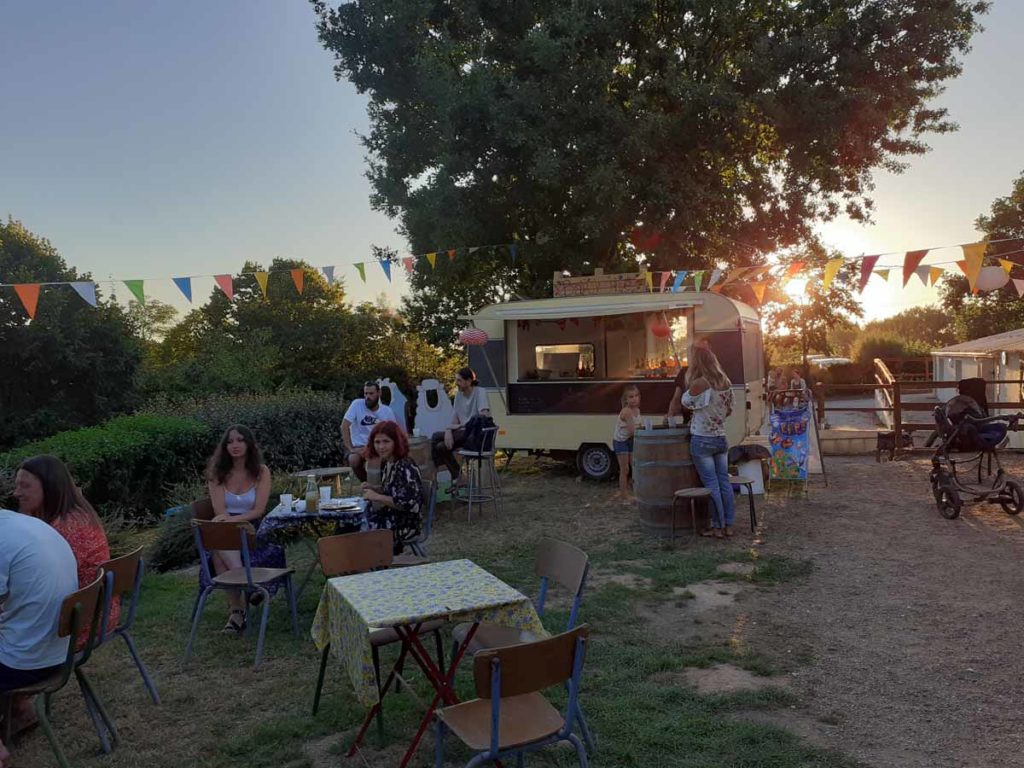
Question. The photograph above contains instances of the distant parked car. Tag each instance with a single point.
(828, 362)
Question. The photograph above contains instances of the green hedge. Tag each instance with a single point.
(128, 461)
(296, 429)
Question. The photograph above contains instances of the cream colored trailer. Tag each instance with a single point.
(555, 369)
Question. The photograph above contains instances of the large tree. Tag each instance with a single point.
(73, 365)
(596, 132)
(983, 314)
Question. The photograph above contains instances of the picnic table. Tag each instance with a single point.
(406, 598)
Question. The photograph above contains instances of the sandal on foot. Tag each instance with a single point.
(235, 626)
(718, 533)
(709, 532)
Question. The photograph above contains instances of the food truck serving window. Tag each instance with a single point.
(564, 360)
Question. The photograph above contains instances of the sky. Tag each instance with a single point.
(151, 140)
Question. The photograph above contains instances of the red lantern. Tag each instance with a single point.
(473, 337)
(661, 330)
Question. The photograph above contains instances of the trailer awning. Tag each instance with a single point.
(558, 310)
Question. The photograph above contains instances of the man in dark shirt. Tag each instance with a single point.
(675, 405)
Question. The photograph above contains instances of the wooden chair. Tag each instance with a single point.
(237, 536)
(557, 562)
(78, 608)
(351, 553)
(127, 572)
(418, 554)
(511, 716)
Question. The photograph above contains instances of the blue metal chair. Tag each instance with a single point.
(79, 607)
(127, 572)
(235, 536)
(511, 716)
(556, 561)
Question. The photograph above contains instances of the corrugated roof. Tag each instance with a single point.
(1011, 341)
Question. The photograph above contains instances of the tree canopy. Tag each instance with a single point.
(73, 365)
(599, 132)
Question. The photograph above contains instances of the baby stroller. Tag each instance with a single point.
(964, 426)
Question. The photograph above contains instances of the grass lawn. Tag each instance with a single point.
(217, 711)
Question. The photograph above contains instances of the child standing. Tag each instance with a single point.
(622, 440)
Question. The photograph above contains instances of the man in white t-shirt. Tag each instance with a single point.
(360, 418)
(37, 571)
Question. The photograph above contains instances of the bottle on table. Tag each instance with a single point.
(312, 494)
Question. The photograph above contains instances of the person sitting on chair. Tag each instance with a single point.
(470, 400)
(362, 416)
(37, 571)
(396, 504)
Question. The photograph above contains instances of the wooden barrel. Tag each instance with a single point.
(419, 451)
(662, 466)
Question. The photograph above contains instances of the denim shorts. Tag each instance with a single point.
(622, 446)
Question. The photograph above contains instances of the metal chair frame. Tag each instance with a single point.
(476, 490)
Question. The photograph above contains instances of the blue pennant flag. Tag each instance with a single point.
(87, 291)
(329, 274)
(514, 250)
(677, 286)
(184, 285)
(386, 266)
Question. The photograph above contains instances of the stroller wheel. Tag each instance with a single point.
(1012, 498)
(948, 502)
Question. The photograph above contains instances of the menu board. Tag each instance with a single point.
(600, 284)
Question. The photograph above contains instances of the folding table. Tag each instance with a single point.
(405, 598)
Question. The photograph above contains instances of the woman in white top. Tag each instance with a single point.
(470, 400)
(710, 398)
(239, 484)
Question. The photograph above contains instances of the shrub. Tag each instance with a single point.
(296, 430)
(175, 545)
(127, 461)
(871, 345)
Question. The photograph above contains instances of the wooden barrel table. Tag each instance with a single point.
(661, 466)
(419, 451)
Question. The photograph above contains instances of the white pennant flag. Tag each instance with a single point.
(329, 274)
(1018, 283)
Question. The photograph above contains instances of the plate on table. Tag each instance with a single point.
(339, 505)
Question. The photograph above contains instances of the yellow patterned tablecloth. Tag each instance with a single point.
(456, 590)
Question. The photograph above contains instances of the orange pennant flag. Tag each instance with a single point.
(299, 278)
(831, 270)
(1007, 265)
(911, 262)
(974, 255)
(963, 266)
(793, 270)
(432, 258)
(451, 255)
(934, 274)
(29, 295)
(758, 289)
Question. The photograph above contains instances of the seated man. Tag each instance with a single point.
(361, 417)
(37, 571)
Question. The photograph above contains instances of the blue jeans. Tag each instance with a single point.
(711, 458)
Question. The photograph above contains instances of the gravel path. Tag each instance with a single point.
(910, 625)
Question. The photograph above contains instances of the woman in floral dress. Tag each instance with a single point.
(397, 503)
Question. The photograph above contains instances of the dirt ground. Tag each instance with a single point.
(906, 636)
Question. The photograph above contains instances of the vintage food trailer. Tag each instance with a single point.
(555, 368)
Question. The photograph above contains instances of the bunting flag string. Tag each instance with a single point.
(867, 264)
(261, 280)
(29, 295)
(361, 269)
(185, 286)
(831, 270)
(299, 278)
(386, 266)
(451, 254)
(678, 283)
(409, 264)
(431, 258)
(227, 284)
(974, 255)
(87, 291)
(1019, 285)
(328, 274)
(137, 289)
(911, 262)
(664, 279)
(698, 278)
(934, 273)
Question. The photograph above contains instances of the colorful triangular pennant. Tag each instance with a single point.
(1019, 285)
(87, 291)
(1007, 265)
(831, 270)
(716, 275)
(386, 266)
(329, 274)
(677, 284)
(698, 278)
(432, 258)
(883, 273)
(451, 254)
(664, 279)
(227, 284)
(867, 264)
(923, 274)
(793, 270)
(513, 251)
(650, 281)
(910, 264)
(974, 255)
(474, 249)
(409, 264)
(261, 280)
(934, 273)
(137, 289)
(185, 286)
(758, 289)
(29, 295)
(361, 269)
(299, 278)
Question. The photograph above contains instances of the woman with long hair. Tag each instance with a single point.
(44, 488)
(470, 400)
(396, 504)
(709, 396)
(239, 485)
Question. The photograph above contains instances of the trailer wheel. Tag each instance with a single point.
(595, 461)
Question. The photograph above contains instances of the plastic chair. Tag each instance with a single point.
(79, 607)
(556, 561)
(484, 485)
(511, 716)
(351, 553)
(127, 572)
(418, 554)
(231, 536)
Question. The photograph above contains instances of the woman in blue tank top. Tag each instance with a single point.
(239, 484)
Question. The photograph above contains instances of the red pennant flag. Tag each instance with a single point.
(963, 266)
(793, 270)
(407, 262)
(29, 295)
(664, 279)
(867, 265)
(451, 255)
(226, 284)
(911, 262)
(299, 278)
